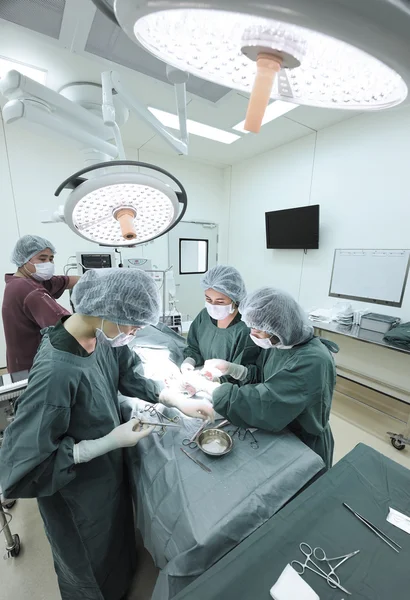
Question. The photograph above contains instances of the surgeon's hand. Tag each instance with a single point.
(218, 368)
(122, 436)
(188, 366)
(191, 407)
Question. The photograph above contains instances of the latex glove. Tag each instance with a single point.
(218, 368)
(191, 407)
(188, 365)
(122, 436)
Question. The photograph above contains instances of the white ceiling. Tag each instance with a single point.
(62, 53)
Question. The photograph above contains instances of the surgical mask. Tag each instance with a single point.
(219, 313)
(122, 339)
(44, 271)
(266, 344)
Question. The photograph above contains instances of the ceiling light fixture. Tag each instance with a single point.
(7, 64)
(274, 111)
(121, 209)
(344, 54)
(113, 207)
(206, 131)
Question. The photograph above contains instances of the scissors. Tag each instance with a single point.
(300, 568)
(320, 555)
(190, 442)
(242, 436)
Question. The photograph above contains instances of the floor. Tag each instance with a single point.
(31, 575)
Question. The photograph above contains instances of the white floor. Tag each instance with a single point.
(31, 575)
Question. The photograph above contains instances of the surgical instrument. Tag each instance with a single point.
(384, 537)
(320, 555)
(333, 581)
(190, 442)
(242, 436)
(154, 424)
(198, 462)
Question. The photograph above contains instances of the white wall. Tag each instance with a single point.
(39, 163)
(361, 181)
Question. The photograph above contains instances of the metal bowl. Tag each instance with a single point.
(215, 442)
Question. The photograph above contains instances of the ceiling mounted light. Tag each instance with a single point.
(121, 209)
(274, 111)
(206, 131)
(324, 54)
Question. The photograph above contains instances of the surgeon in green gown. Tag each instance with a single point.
(219, 331)
(291, 385)
(65, 445)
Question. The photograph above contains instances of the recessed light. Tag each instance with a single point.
(206, 131)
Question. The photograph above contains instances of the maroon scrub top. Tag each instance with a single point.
(28, 307)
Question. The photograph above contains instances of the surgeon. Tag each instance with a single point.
(218, 331)
(291, 384)
(65, 445)
(29, 302)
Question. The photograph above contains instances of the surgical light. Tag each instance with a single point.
(323, 54)
(122, 208)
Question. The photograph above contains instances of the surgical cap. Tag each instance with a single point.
(123, 296)
(277, 313)
(226, 280)
(27, 247)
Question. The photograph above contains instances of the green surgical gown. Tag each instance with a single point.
(206, 340)
(287, 388)
(86, 508)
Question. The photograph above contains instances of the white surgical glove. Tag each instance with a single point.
(218, 368)
(122, 436)
(191, 407)
(188, 365)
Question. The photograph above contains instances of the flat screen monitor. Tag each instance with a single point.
(293, 228)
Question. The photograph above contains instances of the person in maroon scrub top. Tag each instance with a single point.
(29, 302)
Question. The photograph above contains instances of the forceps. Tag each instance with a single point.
(300, 568)
(320, 555)
(157, 413)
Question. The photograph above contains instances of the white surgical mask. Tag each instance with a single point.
(122, 339)
(44, 271)
(219, 313)
(264, 343)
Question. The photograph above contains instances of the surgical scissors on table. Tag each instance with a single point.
(320, 555)
(190, 442)
(332, 579)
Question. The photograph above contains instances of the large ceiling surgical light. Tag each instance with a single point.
(348, 54)
(111, 202)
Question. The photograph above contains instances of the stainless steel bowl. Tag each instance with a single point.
(215, 442)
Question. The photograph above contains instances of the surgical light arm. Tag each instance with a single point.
(38, 104)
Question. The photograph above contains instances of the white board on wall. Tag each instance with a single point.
(377, 276)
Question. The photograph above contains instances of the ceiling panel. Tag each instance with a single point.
(43, 16)
(108, 41)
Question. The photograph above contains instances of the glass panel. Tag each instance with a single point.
(193, 256)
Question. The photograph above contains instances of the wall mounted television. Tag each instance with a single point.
(293, 228)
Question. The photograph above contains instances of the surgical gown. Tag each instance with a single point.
(86, 508)
(287, 388)
(206, 340)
